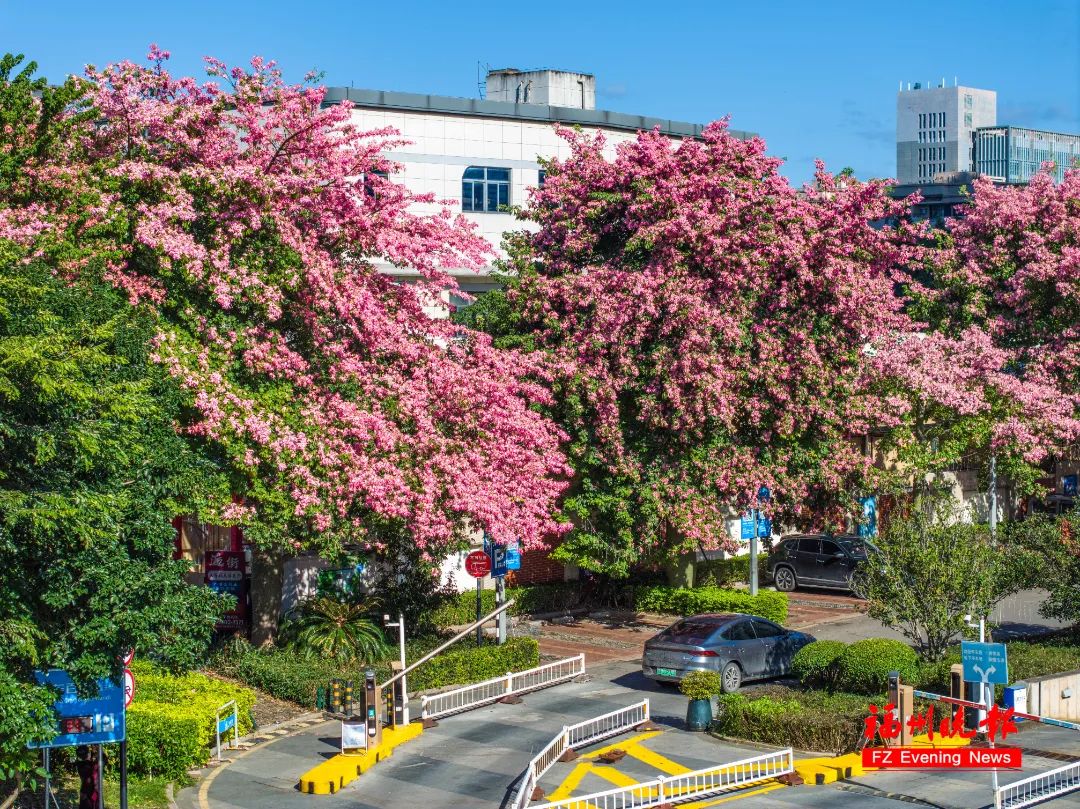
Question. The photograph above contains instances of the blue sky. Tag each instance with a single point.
(816, 79)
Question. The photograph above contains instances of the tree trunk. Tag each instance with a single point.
(267, 579)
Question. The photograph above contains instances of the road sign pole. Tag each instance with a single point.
(123, 775)
(753, 557)
(479, 611)
(101, 777)
(500, 597)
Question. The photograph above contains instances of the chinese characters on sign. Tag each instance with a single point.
(225, 574)
(883, 724)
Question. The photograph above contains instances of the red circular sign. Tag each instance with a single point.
(129, 687)
(128, 657)
(478, 564)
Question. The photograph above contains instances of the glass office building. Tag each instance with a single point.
(1012, 154)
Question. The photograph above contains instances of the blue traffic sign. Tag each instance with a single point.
(94, 720)
(763, 494)
(984, 662)
(748, 525)
(513, 555)
(226, 723)
(764, 527)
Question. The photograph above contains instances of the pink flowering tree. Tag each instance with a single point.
(249, 220)
(999, 371)
(706, 328)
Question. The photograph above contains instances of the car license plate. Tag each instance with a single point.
(665, 672)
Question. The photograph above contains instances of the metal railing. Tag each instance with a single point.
(520, 682)
(1038, 788)
(688, 786)
(583, 733)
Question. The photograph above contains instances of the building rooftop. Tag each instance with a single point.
(450, 105)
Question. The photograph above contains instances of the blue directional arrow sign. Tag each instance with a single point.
(984, 662)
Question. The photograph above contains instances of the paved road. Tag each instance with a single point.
(471, 760)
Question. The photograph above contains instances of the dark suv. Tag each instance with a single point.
(817, 560)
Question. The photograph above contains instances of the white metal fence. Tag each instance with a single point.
(685, 787)
(1037, 788)
(520, 682)
(583, 733)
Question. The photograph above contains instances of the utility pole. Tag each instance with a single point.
(993, 500)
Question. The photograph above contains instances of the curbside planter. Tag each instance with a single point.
(699, 714)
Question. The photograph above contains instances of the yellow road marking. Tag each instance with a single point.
(570, 783)
(655, 760)
(750, 794)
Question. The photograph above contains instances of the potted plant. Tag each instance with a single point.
(700, 687)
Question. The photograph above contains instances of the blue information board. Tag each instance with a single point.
(751, 525)
(513, 555)
(97, 720)
(984, 662)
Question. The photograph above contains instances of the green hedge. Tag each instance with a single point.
(726, 572)
(683, 601)
(816, 721)
(170, 725)
(461, 609)
(815, 663)
(864, 666)
(288, 676)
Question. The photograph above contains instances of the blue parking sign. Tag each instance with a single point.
(984, 662)
(748, 525)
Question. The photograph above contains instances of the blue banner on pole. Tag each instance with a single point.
(868, 523)
(513, 555)
(764, 527)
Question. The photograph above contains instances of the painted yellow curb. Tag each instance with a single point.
(341, 770)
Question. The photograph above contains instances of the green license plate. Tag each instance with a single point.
(665, 672)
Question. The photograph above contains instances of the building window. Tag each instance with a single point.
(967, 119)
(372, 180)
(967, 102)
(942, 122)
(485, 189)
(541, 178)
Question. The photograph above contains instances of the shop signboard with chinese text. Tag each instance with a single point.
(225, 575)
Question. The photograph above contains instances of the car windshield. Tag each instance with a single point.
(858, 547)
(692, 633)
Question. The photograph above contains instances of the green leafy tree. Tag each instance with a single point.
(932, 571)
(1052, 553)
(91, 468)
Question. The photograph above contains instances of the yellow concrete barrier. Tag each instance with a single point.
(341, 770)
(818, 771)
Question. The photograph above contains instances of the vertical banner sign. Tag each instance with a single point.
(513, 555)
(225, 574)
(748, 525)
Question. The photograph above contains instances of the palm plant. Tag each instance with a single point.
(338, 630)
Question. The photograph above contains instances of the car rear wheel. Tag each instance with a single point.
(785, 579)
(730, 678)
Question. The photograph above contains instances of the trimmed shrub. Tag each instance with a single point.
(683, 601)
(460, 608)
(730, 571)
(171, 723)
(476, 664)
(828, 723)
(287, 676)
(815, 663)
(864, 666)
(701, 685)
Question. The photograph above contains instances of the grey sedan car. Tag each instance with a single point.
(740, 647)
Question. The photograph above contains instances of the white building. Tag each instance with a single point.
(481, 154)
(935, 128)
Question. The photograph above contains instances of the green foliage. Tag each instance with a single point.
(815, 663)
(726, 572)
(172, 721)
(683, 601)
(806, 720)
(91, 468)
(457, 609)
(933, 570)
(339, 630)
(286, 675)
(701, 685)
(1049, 547)
(864, 666)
